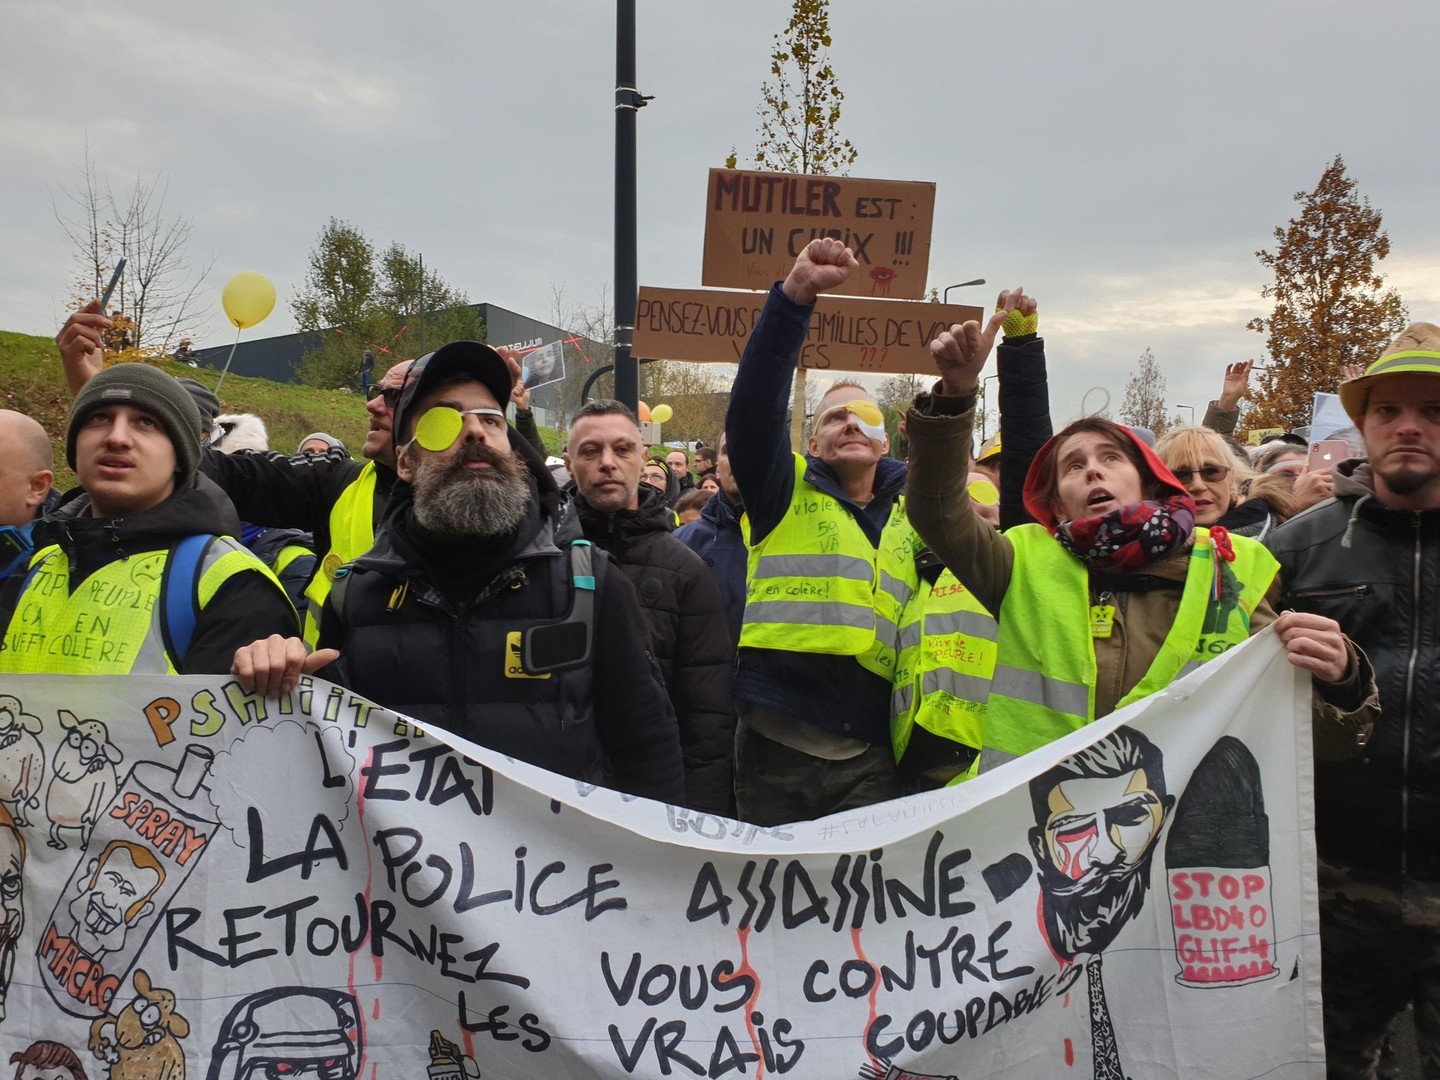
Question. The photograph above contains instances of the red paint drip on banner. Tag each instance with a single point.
(746, 969)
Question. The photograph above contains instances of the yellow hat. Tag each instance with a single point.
(989, 448)
(1416, 351)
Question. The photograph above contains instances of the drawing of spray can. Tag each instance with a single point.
(1218, 866)
(141, 850)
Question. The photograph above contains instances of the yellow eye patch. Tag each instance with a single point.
(441, 426)
(984, 492)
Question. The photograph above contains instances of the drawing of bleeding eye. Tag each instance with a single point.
(882, 275)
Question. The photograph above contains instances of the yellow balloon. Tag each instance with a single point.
(248, 299)
(661, 414)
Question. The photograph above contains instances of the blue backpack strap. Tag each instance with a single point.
(179, 605)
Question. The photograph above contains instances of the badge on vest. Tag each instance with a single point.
(514, 666)
(1102, 620)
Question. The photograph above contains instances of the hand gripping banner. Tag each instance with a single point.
(198, 883)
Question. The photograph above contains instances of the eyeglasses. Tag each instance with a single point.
(1208, 473)
(391, 394)
(441, 426)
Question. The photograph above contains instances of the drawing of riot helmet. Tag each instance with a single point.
(289, 1033)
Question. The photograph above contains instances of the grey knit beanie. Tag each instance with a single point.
(150, 389)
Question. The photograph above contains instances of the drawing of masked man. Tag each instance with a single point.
(1098, 815)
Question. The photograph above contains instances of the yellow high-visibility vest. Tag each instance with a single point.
(112, 624)
(814, 584)
(1044, 682)
(352, 533)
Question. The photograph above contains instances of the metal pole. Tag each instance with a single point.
(945, 297)
(420, 326)
(627, 102)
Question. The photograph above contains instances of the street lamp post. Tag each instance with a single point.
(985, 416)
(1192, 412)
(945, 296)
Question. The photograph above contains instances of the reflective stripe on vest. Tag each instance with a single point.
(956, 658)
(352, 534)
(813, 585)
(1044, 685)
(113, 623)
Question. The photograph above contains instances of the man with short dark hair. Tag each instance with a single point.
(705, 461)
(678, 461)
(475, 613)
(683, 607)
(1370, 559)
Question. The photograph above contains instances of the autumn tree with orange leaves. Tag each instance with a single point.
(1331, 304)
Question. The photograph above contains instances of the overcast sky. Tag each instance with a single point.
(1123, 161)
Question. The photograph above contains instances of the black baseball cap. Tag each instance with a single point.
(468, 360)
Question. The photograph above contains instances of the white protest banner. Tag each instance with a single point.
(201, 883)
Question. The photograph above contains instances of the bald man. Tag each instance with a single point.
(26, 474)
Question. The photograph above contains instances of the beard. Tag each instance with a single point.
(451, 500)
(1408, 478)
(1085, 914)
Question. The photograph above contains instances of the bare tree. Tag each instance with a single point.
(1144, 404)
(160, 287)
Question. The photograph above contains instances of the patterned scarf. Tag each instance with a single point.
(1128, 538)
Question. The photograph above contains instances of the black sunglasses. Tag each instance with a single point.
(391, 394)
(1209, 473)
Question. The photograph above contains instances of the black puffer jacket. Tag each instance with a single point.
(424, 625)
(685, 614)
(1376, 571)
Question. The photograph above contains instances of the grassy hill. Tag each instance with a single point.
(32, 381)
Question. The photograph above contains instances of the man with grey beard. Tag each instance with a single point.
(476, 613)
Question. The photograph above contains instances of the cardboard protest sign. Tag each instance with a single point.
(709, 325)
(757, 222)
(196, 882)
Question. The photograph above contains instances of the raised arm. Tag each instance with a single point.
(82, 349)
(1223, 414)
(757, 436)
(936, 495)
(1024, 401)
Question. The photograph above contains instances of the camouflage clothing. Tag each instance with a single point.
(1379, 946)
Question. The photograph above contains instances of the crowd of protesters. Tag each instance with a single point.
(770, 632)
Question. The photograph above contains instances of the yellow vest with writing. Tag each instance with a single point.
(944, 665)
(1044, 683)
(352, 534)
(814, 584)
(111, 624)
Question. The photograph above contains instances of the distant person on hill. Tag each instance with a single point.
(367, 372)
(319, 442)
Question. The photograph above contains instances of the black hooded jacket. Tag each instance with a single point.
(249, 606)
(1376, 571)
(428, 626)
(685, 614)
